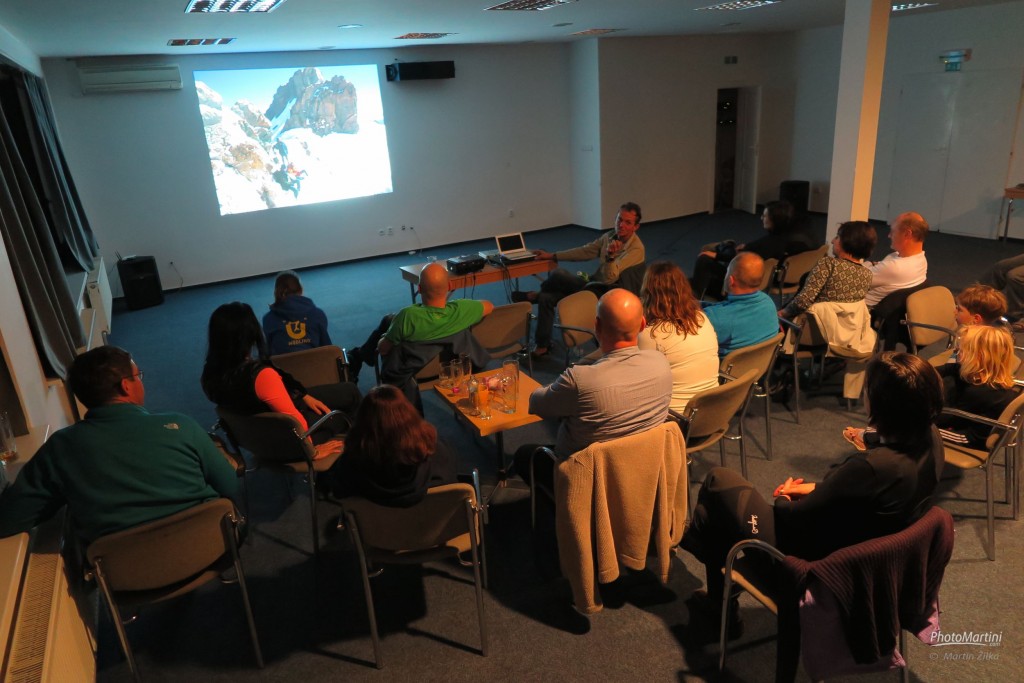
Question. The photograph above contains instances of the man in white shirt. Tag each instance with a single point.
(907, 265)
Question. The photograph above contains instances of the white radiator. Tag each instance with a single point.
(51, 641)
(98, 303)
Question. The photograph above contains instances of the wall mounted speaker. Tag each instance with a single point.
(419, 71)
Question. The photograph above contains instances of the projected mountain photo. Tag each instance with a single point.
(285, 137)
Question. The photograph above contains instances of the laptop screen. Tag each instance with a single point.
(511, 242)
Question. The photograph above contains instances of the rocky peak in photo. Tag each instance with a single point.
(311, 102)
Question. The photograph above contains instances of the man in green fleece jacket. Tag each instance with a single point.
(122, 465)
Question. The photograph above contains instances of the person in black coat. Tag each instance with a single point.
(866, 495)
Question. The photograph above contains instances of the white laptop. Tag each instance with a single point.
(511, 248)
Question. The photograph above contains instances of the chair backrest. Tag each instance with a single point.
(577, 310)
(1011, 415)
(272, 438)
(931, 306)
(166, 551)
(312, 367)
(431, 523)
(711, 410)
(755, 357)
(505, 330)
(908, 565)
(771, 265)
(795, 267)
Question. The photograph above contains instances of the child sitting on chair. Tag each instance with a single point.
(980, 381)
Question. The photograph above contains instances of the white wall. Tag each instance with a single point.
(816, 68)
(464, 153)
(658, 117)
(585, 134)
(993, 32)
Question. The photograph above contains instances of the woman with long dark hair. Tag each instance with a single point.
(866, 495)
(392, 455)
(238, 374)
(678, 328)
(783, 238)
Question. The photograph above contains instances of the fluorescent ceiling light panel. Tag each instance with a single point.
(912, 5)
(185, 42)
(739, 4)
(232, 6)
(529, 5)
(596, 31)
(423, 36)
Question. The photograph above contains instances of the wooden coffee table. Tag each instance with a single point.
(498, 423)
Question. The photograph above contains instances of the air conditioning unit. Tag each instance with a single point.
(129, 78)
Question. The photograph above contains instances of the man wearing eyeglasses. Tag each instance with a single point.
(122, 465)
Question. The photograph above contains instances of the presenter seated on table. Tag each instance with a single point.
(617, 250)
(122, 465)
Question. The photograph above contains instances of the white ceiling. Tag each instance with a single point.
(78, 28)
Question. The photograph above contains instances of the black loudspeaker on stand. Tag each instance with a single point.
(140, 282)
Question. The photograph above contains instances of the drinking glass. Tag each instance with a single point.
(467, 365)
(510, 384)
(8, 446)
(482, 402)
(445, 378)
(455, 374)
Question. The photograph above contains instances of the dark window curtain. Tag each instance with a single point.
(44, 228)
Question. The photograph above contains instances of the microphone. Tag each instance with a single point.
(608, 256)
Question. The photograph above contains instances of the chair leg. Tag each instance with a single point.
(474, 525)
(228, 528)
(990, 510)
(312, 509)
(115, 615)
(768, 425)
(796, 385)
(723, 641)
(353, 529)
(721, 450)
(905, 671)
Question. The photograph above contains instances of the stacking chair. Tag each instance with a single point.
(1004, 437)
(794, 269)
(931, 318)
(506, 331)
(445, 523)
(314, 367)
(705, 420)
(760, 357)
(166, 558)
(894, 565)
(796, 330)
(771, 270)
(612, 500)
(276, 443)
(576, 315)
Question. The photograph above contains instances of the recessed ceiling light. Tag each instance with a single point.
(740, 4)
(188, 42)
(350, 26)
(596, 31)
(423, 36)
(561, 25)
(529, 5)
(327, 47)
(232, 6)
(912, 5)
